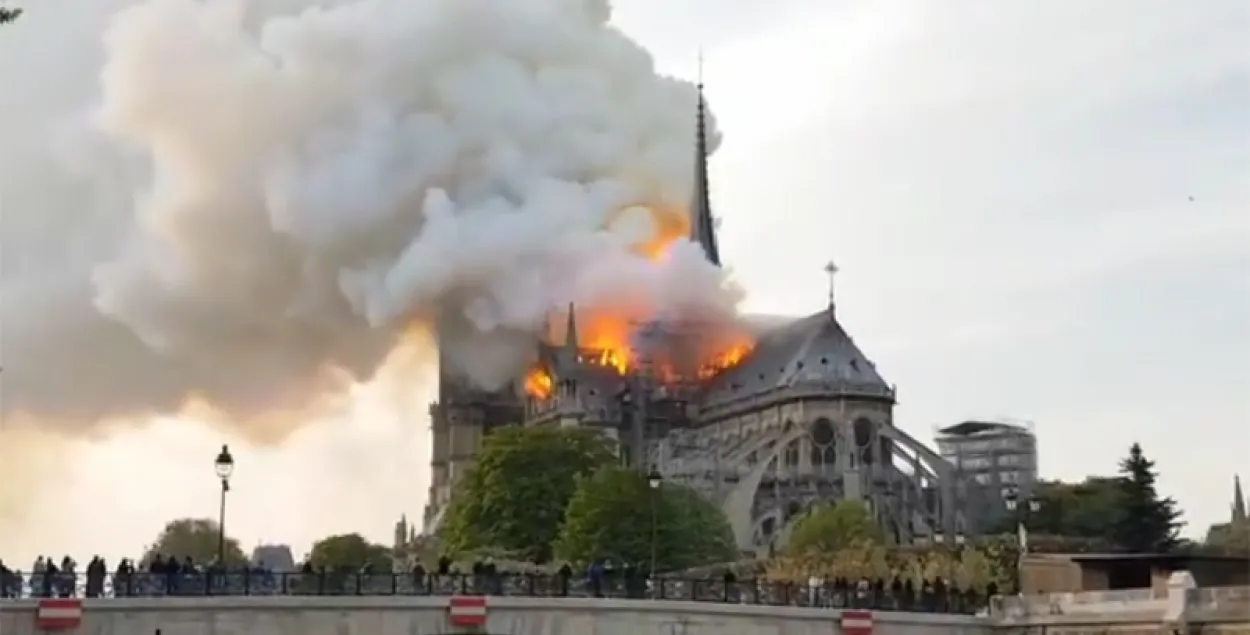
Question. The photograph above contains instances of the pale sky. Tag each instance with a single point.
(1041, 210)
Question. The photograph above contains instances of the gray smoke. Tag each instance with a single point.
(259, 201)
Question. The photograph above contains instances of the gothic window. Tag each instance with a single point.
(822, 432)
(792, 454)
(863, 440)
(830, 456)
(822, 437)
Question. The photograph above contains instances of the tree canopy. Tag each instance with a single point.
(1088, 509)
(194, 538)
(1147, 523)
(1123, 512)
(8, 15)
(615, 515)
(830, 528)
(349, 551)
(515, 497)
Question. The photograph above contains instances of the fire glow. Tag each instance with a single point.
(539, 383)
(610, 350)
(724, 360)
(665, 225)
(605, 338)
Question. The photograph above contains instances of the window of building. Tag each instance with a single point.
(792, 453)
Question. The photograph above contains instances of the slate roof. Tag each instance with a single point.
(811, 350)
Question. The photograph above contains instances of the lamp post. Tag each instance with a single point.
(1011, 498)
(654, 479)
(224, 466)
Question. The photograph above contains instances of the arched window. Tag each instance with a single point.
(822, 438)
(864, 431)
(792, 453)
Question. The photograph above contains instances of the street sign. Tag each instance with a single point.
(856, 622)
(467, 610)
(58, 614)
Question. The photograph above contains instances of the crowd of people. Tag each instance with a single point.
(51, 578)
(167, 575)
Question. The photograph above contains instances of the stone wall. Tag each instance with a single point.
(1183, 609)
(429, 616)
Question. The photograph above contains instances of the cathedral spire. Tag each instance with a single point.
(570, 333)
(1239, 501)
(702, 227)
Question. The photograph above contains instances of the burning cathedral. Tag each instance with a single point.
(787, 414)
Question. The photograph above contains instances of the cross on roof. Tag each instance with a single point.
(832, 270)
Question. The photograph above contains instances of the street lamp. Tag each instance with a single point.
(1011, 499)
(224, 466)
(654, 479)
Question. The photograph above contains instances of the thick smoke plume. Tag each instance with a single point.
(266, 198)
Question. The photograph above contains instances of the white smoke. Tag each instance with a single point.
(265, 197)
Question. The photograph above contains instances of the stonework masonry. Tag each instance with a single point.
(1183, 610)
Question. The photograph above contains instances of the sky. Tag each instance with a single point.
(1040, 211)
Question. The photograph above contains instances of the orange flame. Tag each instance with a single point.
(669, 224)
(724, 360)
(539, 383)
(608, 342)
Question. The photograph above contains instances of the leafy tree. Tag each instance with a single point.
(615, 515)
(195, 538)
(832, 528)
(514, 499)
(696, 528)
(1089, 509)
(349, 551)
(966, 566)
(1148, 524)
(8, 15)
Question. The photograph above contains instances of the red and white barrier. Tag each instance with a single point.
(58, 614)
(856, 622)
(467, 610)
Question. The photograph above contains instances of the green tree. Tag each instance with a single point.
(195, 538)
(1089, 509)
(515, 497)
(8, 15)
(349, 551)
(831, 528)
(1147, 523)
(615, 515)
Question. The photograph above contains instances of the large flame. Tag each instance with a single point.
(539, 383)
(726, 358)
(607, 342)
(605, 337)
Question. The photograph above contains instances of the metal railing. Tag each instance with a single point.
(258, 583)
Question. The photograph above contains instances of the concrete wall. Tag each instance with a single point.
(428, 616)
(1180, 608)
(1183, 609)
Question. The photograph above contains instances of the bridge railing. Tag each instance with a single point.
(750, 591)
